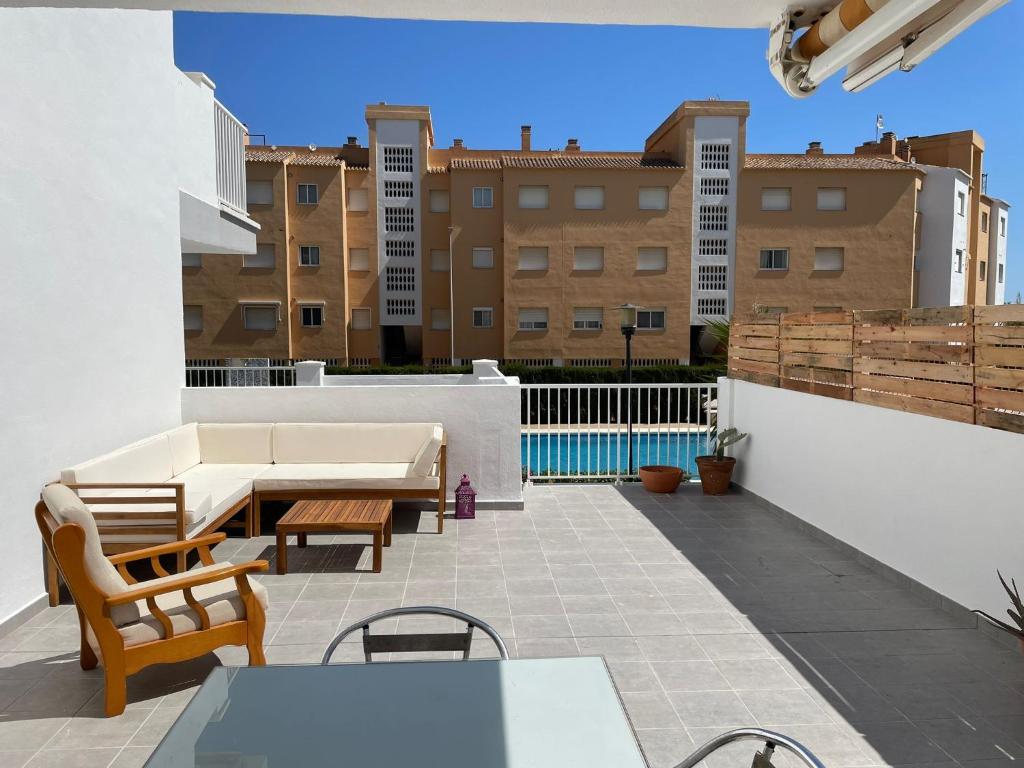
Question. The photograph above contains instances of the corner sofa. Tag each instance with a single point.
(193, 479)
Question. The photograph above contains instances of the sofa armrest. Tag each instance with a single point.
(175, 496)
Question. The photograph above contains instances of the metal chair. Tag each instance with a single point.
(762, 759)
(421, 642)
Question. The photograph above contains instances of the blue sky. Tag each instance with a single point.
(305, 79)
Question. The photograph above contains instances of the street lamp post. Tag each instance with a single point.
(627, 324)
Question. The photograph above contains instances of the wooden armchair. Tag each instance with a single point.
(128, 625)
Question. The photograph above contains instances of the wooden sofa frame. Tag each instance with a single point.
(394, 494)
(150, 523)
(66, 545)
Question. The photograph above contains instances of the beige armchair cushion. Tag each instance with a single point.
(66, 507)
(424, 461)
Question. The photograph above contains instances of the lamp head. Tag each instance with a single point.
(627, 316)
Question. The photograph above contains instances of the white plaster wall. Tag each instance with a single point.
(196, 144)
(482, 421)
(937, 500)
(943, 231)
(997, 244)
(92, 267)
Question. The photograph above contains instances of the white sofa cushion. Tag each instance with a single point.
(197, 504)
(379, 476)
(224, 490)
(219, 598)
(424, 461)
(349, 443)
(147, 461)
(236, 443)
(184, 445)
(66, 507)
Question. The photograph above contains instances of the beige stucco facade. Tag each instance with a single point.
(544, 245)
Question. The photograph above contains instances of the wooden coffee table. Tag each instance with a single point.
(362, 516)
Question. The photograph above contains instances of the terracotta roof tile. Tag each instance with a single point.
(266, 155)
(476, 163)
(349, 167)
(574, 160)
(317, 159)
(827, 162)
(437, 169)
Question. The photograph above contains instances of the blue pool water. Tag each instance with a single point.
(597, 453)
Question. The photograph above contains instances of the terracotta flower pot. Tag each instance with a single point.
(715, 474)
(661, 479)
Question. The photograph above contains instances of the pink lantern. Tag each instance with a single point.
(465, 500)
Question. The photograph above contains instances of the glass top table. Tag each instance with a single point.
(521, 713)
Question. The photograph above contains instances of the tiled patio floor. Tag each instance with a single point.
(711, 613)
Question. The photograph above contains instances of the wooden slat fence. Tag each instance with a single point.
(959, 363)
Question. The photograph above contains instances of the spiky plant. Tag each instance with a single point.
(1016, 613)
(719, 330)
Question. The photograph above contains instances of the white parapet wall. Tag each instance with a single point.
(937, 500)
(480, 413)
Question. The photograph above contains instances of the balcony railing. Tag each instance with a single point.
(230, 142)
(238, 376)
(583, 431)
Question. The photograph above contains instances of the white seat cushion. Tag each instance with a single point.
(428, 454)
(382, 476)
(219, 598)
(148, 461)
(224, 491)
(349, 443)
(184, 445)
(236, 443)
(221, 472)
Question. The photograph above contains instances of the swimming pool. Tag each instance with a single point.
(606, 453)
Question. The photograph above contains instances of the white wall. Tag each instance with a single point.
(943, 232)
(482, 421)
(937, 500)
(997, 239)
(92, 266)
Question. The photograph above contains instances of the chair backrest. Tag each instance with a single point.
(420, 642)
(66, 508)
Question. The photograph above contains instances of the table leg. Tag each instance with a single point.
(282, 552)
(302, 539)
(387, 532)
(378, 549)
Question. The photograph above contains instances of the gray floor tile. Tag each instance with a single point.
(720, 709)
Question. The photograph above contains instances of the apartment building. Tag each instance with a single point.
(365, 250)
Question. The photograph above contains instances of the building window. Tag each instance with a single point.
(961, 204)
(359, 259)
(483, 317)
(533, 258)
(533, 319)
(652, 258)
(712, 246)
(652, 199)
(714, 218)
(309, 255)
(193, 317)
(650, 319)
(397, 189)
(588, 198)
(400, 307)
(958, 261)
(1002, 226)
(999, 272)
(397, 159)
(483, 197)
(439, 201)
(587, 319)
(776, 199)
(361, 319)
(828, 259)
(307, 194)
(399, 219)
(400, 279)
(312, 316)
(264, 257)
(981, 270)
(831, 198)
(775, 258)
(712, 277)
(440, 261)
(533, 197)
(195, 260)
(710, 307)
(259, 318)
(588, 258)
(358, 200)
(714, 157)
(259, 192)
(714, 187)
(440, 319)
(399, 249)
(483, 258)
(984, 221)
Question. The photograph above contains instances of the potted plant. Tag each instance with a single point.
(1016, 612)
(716, 471)
(660, 478)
